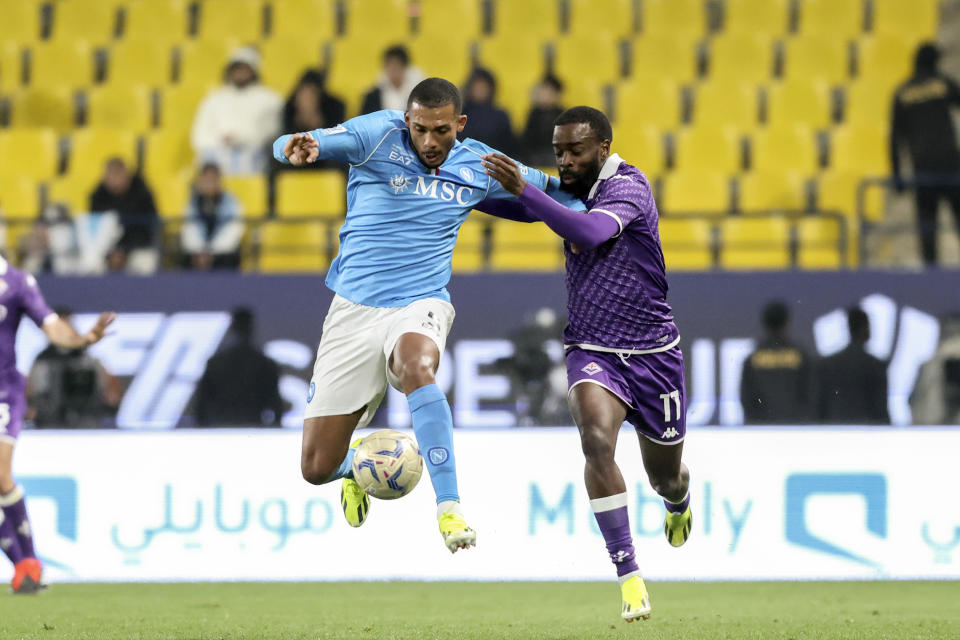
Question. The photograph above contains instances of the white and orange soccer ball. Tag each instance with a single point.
(387, 464)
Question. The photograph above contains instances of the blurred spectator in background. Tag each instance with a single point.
(485, 122)
(538, 134)
(236, 123)
(396, 81)
(922, 122)
(129, 198)
(777, 385)
(70, 389)
(51, 246)
(211, 235)
(936, 395)
(240, 386)
(310, 107)
(853, 383)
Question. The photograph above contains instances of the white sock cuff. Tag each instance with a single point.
(15, 496)
(622, 579)
(448, 505)
(609, 503)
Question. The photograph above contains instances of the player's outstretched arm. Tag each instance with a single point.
(297, 149)
(59, 331)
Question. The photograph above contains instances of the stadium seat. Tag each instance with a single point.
(515, 82)
(171, 193)
(673, 16)
(313, 20)
(53, 107)
(204, 61)
(21, 22)
(305, 193)
(353, 69)
(74, 192)
(739, 57)
(525, 247)
(536, 20)
(819, 243)
(163, 21)
(726, 103)
(437, 16)
(614, 17)
(709, 148)
(915, 19)
(251, 191)
(664, 56)
(868, 103)
(11, 66)
(292, 247)
(642, 146)
(65, 63)
(178, 105)
(772, 190)
(468, 254)
(231, 19)
(93, 22)
(799, 102)
(167, 152)
(120, 106)
(840, 19)
(285, 59)
(837, 191)
(653, 102)
(19, 197)
(578, 57)
(885, 57)
(687, 243)
(769, 18)
(91, 148)
(145, 62)
(784, 147)
(755, 243)
(378, 20)
(816, 59)
(453, 65)
(695, 191)
(862, 149)
(32, 153)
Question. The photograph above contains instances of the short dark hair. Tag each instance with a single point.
(857, 320)
(776, 315)
(588, 115)
(434, 93)
(399, 52)
(552, 81)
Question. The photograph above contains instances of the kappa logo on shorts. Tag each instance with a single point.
(670, 432)
(592, 369)
(312, 392)
(438, 455)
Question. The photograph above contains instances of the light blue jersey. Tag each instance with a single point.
(402, 218)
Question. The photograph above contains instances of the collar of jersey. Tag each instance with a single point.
(606, 171)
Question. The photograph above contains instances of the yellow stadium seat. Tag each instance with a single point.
(695, 192)
(44, 107)
(709, 148)
(615, 17)
(306, 193)
(384, 20)
(834, 18)
(285, 60)
(94, 22)
(862, 149)
(869, 103)
(251, 191)
(178, 104)
(534, 19)
(167, 152)
(755, 243)
(799, 101)
(454, 64)
(726, 103)
(314, 20)
(233, 19)
(91, 148)
(64, 63)
(20, 23)
(437, 16)
(292, 247)
(74, 192)
(120, 107)
(526, 247)
(765, 17)
(837, 191)
(664, 55)
(915, 19)
(163, 21)
(784, 147)
(354, 67)
(19, 197)
(468, 254)
(593, 55)
(885, 57)
(171, 193)
(654, 102)
(515, 82)
(671, 16)
(145, 62)
(32, 153)
(586, 90)
(641, 145)
(740, 57)
(772, 190)
(816, 59)
(11, 65)
(204, 61)
(687, 243)
(820, 243)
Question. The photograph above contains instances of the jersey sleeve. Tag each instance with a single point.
(624, 199)
(352, 141)
(563, 197)
(32, 301)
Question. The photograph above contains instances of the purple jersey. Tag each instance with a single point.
(617, 292)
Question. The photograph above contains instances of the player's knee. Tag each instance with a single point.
(317, 468)
(665, 485)
(595, 443)
(416, 372)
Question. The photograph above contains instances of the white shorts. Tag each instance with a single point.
(352, 367)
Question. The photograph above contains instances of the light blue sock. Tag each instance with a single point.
(433, 426)
(346, 467)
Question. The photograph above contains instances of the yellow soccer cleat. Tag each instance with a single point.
(353, 500)
(676, 526)
(456, 534)
(636, 600)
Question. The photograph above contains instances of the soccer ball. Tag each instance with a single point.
(387, 464)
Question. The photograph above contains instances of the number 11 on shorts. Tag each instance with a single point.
(667, 397)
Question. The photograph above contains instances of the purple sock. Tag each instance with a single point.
(611, 515)
(8, 540)
(15, 512)
(677, 507)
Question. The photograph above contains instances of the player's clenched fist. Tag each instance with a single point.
(301, 149)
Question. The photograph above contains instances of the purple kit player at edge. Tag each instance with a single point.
(622, 346)
(19, 296)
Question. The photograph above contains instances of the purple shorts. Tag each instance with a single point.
(650, 384)
(13, 406)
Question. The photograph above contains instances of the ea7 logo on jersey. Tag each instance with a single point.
(592, 368)
(399, 183)
(441, 190)
(329, 131)
(399, 154)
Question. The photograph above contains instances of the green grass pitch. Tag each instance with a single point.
(487, 610)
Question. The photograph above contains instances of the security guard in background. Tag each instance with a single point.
(922, 121)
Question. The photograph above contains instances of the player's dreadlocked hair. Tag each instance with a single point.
(597, 121)
(435, 92)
